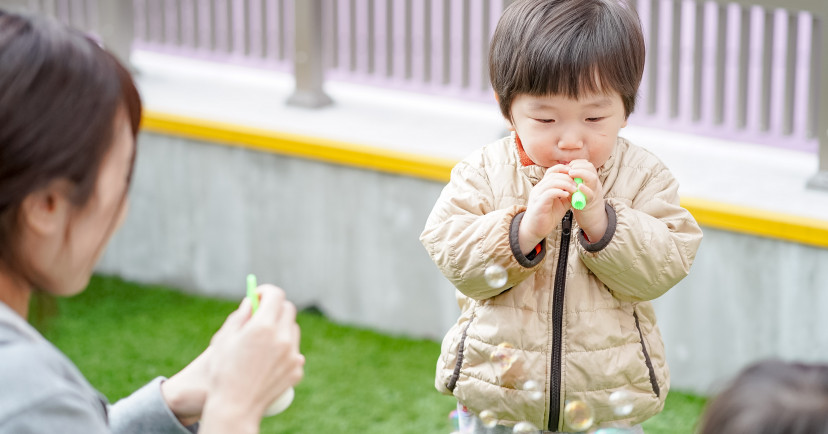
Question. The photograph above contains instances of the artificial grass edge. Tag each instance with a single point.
(122, 334)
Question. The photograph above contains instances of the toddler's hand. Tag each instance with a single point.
(593, 218)
(548, 202)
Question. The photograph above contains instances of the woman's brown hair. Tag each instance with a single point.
(59, 95)
(567, 47)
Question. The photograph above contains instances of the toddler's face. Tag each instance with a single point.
(555, 129)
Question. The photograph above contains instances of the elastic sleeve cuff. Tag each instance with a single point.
(533, 258)
(612, 223)
(145, 411)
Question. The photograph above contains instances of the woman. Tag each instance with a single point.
(69, 116)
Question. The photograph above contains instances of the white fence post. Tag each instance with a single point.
(820, 54)
(16, 6)
(116, 27)
(309, 68)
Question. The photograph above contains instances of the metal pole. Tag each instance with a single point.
(308, 61)
(16, 6)
(116, 27)
(820, 180)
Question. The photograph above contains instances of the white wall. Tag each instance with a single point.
(746, 298)
(345, 240)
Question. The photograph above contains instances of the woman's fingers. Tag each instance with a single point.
(271, 299)
(235, 320)
(277, 312)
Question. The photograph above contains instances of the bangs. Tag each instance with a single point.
(567, 47)
(583, 54)
(572, 80)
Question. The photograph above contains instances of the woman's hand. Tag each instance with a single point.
(252, 360)
(186, 391)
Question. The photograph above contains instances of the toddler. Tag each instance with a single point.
(574, 315)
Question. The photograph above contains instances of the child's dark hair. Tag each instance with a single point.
(771, 397)
(59, 95)
(567, 47)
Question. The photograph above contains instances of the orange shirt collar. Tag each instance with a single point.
(524, 157)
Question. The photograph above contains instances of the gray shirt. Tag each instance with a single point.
(42, 391)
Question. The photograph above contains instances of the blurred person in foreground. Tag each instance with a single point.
(69, 116)
(771, 397)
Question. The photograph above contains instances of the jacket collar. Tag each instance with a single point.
(525, 164)
(522, 155)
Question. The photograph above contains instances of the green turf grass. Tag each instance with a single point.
(122, 335)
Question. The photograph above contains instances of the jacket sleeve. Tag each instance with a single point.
(650, 244)
(464, 235)
(40, 391)
(59, 413)
(145, 411)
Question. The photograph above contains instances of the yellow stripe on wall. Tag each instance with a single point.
(296, 145)
(708, 213)
(758, 222)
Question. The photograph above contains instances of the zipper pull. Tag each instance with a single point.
(566, 224)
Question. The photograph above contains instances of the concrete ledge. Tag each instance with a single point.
(344, 239)
(707, 212)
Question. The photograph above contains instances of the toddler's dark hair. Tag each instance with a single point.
(567, 47)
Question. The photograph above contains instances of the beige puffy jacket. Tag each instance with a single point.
(582, 336)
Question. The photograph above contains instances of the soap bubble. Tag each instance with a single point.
(454, 420)
(524, 428)
(503, 356)
(578, 415)
(621, 402)
(613, 430)
(488, 418)
(496, 276)
(534, 389)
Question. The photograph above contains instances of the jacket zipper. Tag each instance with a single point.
(557, 323)
(455, 375)
(647, 360)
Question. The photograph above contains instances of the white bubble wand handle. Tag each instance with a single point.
(283, 402)
(280, 404)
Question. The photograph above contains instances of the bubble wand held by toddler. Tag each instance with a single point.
(579, 200)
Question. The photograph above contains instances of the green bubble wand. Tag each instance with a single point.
(252, 295)
(283, 402)
(578, 198)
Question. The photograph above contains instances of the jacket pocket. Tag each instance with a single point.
(647, 361)
(452, 383)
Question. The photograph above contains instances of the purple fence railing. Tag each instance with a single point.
(739, 72)
(430, 46)
(747, 70)
(82, 14)
(256, 33)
